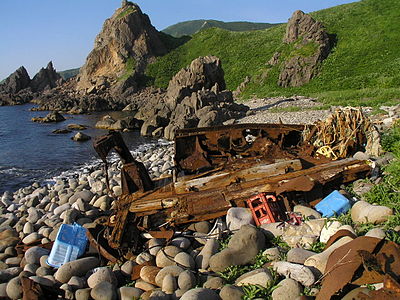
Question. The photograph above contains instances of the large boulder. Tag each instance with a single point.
(242, 248)
(203, 72)
(122, 49)
(52, 117)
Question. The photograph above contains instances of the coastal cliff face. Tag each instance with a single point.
(122, 49)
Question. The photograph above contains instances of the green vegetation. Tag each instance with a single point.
(224, 243)
(231, 273)
(130, 66)
(69, 73)
(129, 10)
(279, 242)
(191, 27)
(387, 191)
(362, 69)
(253, 291)
(241, 53)
(317, 247)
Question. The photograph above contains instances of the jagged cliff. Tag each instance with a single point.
(122, 49)
(310, 44)
(46, 79)
(18, 88)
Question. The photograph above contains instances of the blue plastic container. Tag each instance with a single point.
(333, 204)
(70, 243)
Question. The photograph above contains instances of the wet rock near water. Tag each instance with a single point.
(52, 117)
(80, 137)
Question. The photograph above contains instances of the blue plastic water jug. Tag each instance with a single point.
(70, 243)
(333, 204)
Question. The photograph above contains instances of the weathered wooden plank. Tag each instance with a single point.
(261, 170)
(202, 204)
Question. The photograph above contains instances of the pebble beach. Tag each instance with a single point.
(188, 267)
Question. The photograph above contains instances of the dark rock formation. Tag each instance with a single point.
(16, 82)
(46, 79)
(15, 89)
(61, 131)
(194, 99)
(18, 88)
(51, 117)
(122, 49)
(303, 32)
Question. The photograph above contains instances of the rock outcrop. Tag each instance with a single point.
(122, 49)
(311, 44)
(194, 98)
(18, 88)
(46, 79)
(16, 82)
(204, 72)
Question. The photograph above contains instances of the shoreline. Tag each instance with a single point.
(33, 215)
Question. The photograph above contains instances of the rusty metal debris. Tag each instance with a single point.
(365, 260)
(215, 169)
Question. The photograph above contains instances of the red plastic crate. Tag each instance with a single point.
(266, 209)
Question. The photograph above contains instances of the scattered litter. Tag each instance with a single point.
(333, 204)
(70, 244)
(215, 169)
(344, 133)
(266, 209)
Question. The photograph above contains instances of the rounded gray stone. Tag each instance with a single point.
(181, 242)
(186, 280)
(104, 291)
(169, 284)
(298, 255)
(14, 288)
(200, 294)
(101, 275)
(184, 260)
(129, 293)
(165, 257)
(231, 292)
(83, 294)
(172, 270)
(287, 289)
(77, 267)
(236, 217)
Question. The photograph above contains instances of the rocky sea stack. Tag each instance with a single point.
(122, 49)
(18, 88)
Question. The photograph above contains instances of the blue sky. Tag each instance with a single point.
(33, 32)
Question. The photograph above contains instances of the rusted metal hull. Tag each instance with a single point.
(214, 195)
(221, 167)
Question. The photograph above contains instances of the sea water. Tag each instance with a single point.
(30, 152)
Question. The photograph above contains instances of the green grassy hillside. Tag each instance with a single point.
(69, 73)
(191, 27)
(363, 68)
